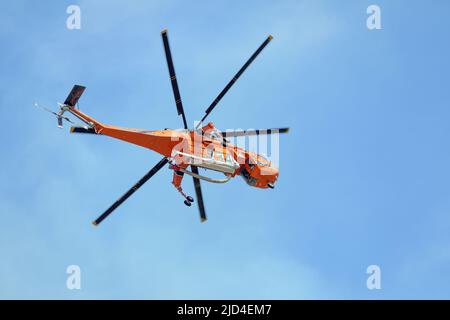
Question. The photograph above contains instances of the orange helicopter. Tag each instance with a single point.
(204, 146)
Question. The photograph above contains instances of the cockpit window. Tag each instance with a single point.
(247, 177)
(260, 160)
(229, 159)
(263, 164)
(214, 134)
(263, 160)
(261, 156)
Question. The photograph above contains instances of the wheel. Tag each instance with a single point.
(187, 203)
(271, 186)
(190, 199)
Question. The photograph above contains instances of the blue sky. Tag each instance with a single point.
(364, 175)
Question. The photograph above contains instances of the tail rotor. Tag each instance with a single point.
(59, 115)
(70, 103)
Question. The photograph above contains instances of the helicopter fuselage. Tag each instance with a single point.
(202, 148)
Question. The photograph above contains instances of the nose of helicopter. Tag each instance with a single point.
(268, 177)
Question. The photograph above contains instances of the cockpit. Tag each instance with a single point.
(259, 172)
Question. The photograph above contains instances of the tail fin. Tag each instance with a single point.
(70, 103)
(74, 95)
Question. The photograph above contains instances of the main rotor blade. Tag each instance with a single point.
(74, 95)
(254, 132)
(127, 194)
(173, 78)
(198, 192)
(230, 84)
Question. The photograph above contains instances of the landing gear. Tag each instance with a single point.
(270, 185)
(177, 177)
(188, 200)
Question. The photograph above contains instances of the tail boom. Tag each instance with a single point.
(161, 141)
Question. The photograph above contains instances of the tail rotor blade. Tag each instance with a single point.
(68, 120)
(45, 109)
(58, 115)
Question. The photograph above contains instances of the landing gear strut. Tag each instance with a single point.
(177, 178)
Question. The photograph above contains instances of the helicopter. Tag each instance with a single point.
(204, 146)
